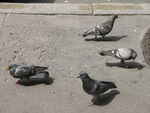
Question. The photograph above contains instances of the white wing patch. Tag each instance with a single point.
(20, 69)
(123, 53)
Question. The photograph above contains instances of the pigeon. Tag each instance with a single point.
(102, 29)
(39, 78)
(121, 53)
(94, 87)
(23, 71)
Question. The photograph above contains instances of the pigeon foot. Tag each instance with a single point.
(17, 82)
(91, 104)
(126, 66)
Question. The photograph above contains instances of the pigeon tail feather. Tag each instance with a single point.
(106, 53)
(112, 85)
(84, 35)
(40, 69)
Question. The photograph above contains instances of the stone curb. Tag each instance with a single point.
(122, 9)
(75, 9)
(49, 9)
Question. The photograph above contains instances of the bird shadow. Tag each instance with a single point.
(106, 98)
(131, 65)
(40, 78)
(107, 38)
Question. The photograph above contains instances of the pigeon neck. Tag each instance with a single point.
(112, 19)
(12, 71)
(87, 79)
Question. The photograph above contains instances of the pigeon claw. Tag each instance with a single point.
(91, 104)
(126, 66)
(17, 82)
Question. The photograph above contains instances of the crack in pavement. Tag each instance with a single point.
(3, 22)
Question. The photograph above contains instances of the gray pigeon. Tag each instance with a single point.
(94, 87)
(103, 29)
(121, 53)
(23, 71)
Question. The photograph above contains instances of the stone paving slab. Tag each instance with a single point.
(56, 41)
(119, 8)
(76, 9)
(50, 9)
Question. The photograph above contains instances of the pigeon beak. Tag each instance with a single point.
(5, 68)
(78, 76)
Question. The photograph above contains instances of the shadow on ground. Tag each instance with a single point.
(131, 65)
(41, 78)
(105, 98)
(28, 1)
(107, 38)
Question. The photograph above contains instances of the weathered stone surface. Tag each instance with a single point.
(76, 9)
(52, 9)
(121, 8)
(56, 41)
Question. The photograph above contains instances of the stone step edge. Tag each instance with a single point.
(75, 9)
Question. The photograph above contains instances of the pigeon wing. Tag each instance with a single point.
(104, 86)
(22, 72)
(94, 88)
(105, 28)
(92, 31)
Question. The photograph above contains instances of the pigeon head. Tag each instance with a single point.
(115, 16)
(83, 75)
(11, 66)
(134, 55)
(89, 32)
(84, 35)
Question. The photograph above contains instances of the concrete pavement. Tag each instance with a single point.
(55, 41)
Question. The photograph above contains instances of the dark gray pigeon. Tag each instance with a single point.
(121, 53)
(39, 78)
(94, 87)
(103, 29)
(23, 71)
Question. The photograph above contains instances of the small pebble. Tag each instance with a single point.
(53, 92)
(135, 30)
(66, 1)
(6, 80)
(108, 0)
(71, 75)
(72, 94)
(63, 71)
(16, 52)
(11, 33)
